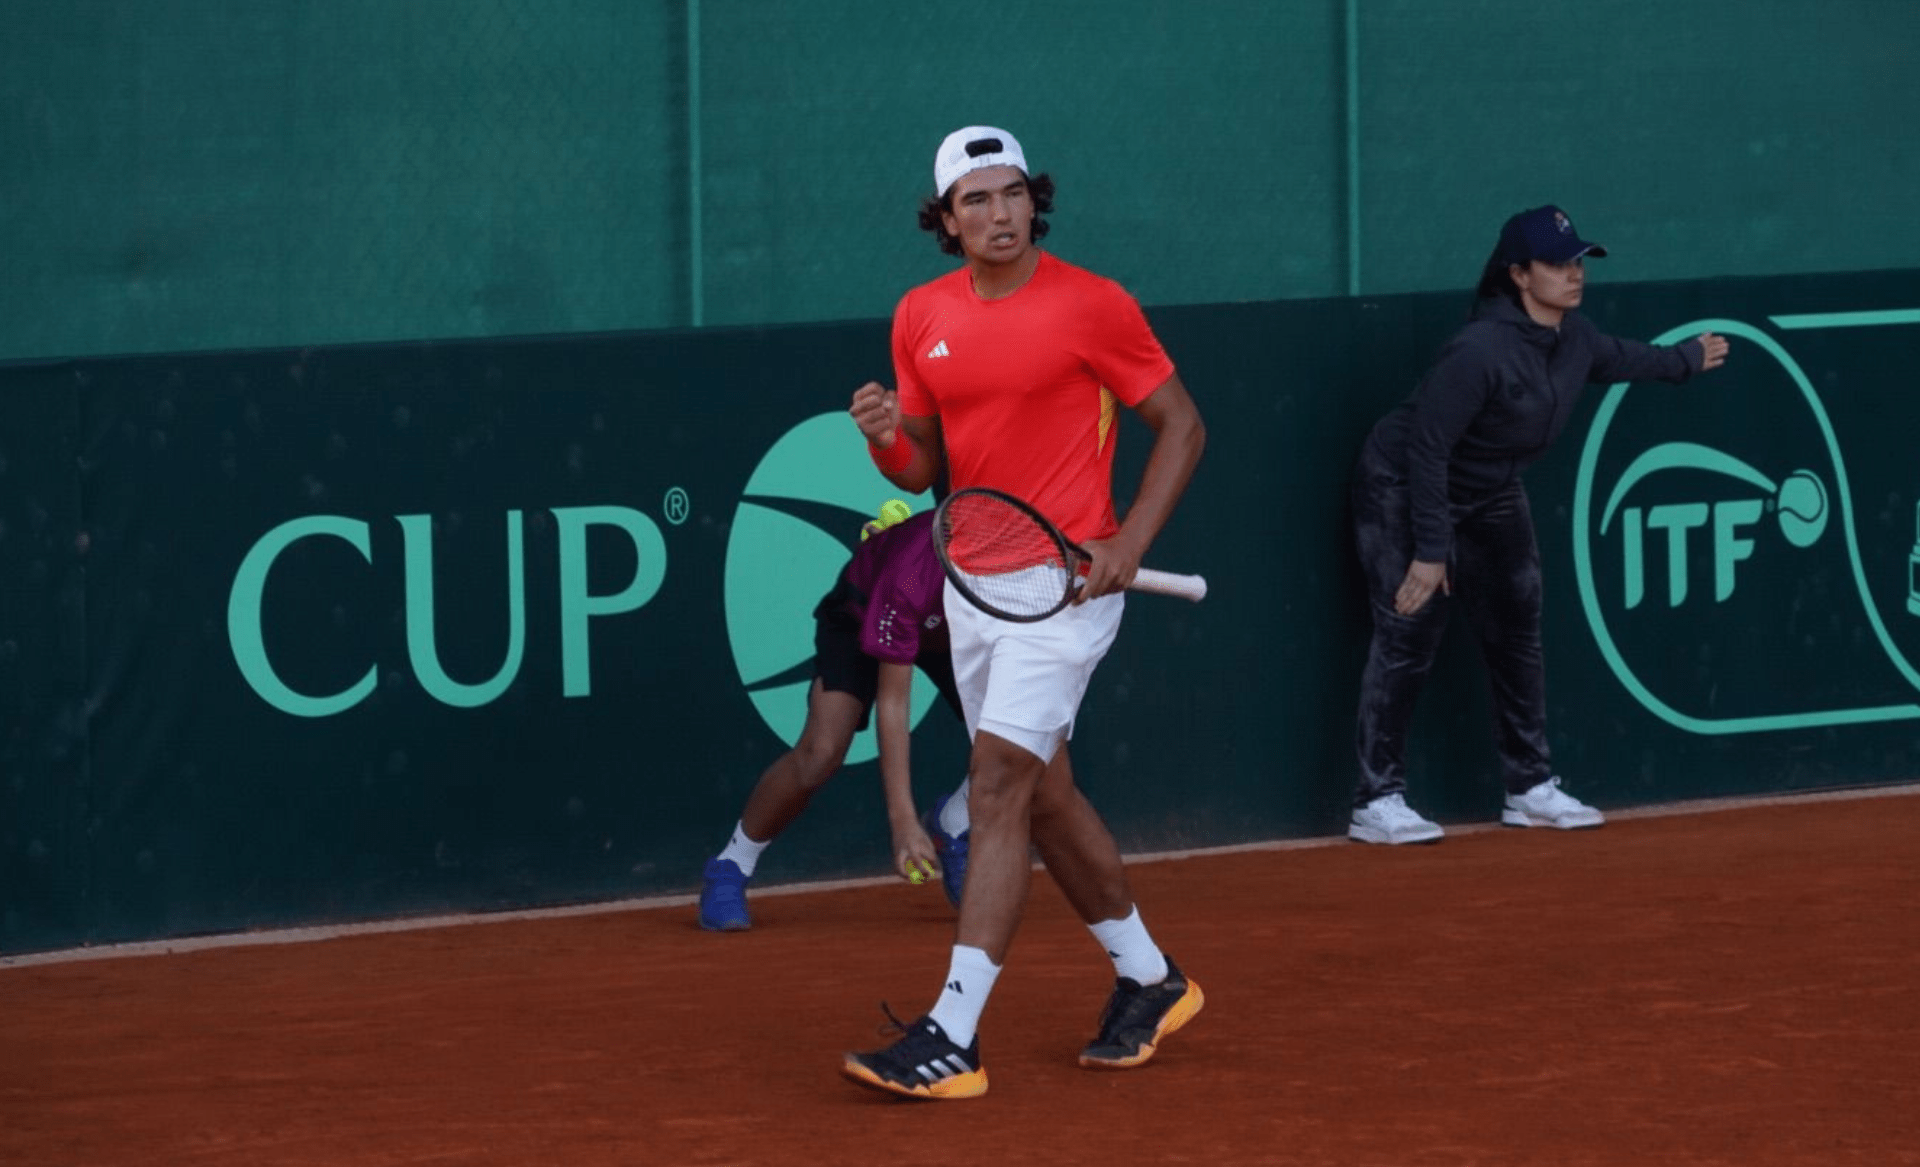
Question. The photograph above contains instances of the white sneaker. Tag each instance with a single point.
(1546, 805)
(1388, 819)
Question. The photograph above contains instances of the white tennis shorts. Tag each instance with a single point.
(1024, 682)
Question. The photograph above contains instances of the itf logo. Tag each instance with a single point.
(1798, 502)
(797, 523)
(1717, 554)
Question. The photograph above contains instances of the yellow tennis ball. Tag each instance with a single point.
(891, 511)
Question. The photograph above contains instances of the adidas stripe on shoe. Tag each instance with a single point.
(924, 1063)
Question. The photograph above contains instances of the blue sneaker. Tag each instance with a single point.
(723, 897)
(952, 850)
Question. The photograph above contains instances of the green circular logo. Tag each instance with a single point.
(1801, 504)
(796, 526)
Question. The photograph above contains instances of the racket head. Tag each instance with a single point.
(1003, 556)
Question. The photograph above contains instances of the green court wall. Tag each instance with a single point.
(190, 174)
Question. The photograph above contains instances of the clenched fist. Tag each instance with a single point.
(876, 410)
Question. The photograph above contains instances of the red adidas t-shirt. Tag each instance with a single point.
(1025, 385)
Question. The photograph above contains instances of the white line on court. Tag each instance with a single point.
(418, 923)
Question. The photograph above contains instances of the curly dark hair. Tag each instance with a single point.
(1039, 186)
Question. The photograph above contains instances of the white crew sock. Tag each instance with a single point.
(1135, 955)
(743, 851)
(969, 980)
(954, 819)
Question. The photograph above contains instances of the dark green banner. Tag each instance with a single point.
(314, 635)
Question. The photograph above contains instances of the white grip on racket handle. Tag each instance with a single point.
(1167, 583)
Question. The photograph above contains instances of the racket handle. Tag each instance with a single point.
(1167, 583)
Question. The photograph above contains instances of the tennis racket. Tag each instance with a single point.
(1010, 561)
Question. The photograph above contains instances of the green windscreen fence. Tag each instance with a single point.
(314, 634)
(189, 174)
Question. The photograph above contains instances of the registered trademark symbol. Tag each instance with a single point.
(678, 506)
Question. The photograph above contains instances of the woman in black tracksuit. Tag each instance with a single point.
(1439, 509)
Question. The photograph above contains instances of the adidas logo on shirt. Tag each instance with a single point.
(938, 350)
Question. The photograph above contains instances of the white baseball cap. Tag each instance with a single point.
(974, 148)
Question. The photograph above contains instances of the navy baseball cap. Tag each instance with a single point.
(1544, 233)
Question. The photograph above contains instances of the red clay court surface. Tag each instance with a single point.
(1734, 987)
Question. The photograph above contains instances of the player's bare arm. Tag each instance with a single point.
(876, 410)
(891, 719)
(1179, 437)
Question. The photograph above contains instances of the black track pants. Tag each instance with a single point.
(1495, 575)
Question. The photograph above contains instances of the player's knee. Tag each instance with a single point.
(816, 759)
(1004, 779)
(991, 804)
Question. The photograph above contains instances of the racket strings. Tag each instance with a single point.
(1010, 560)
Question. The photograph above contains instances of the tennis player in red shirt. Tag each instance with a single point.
(1010, 371)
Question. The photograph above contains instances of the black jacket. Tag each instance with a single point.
(1494, 400)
